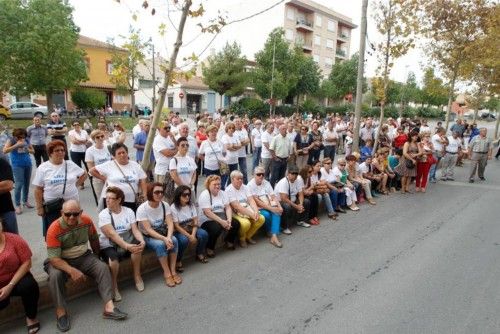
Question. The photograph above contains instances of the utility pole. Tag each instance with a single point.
(154, 76)
(361, 67)
(272, 78)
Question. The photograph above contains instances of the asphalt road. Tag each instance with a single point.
(419, 263)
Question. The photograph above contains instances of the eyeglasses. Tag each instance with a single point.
(74, 214)
(76, 124)
(259, 174)
(341, 165)
(158, 192)
(60, 150)
(186, 194)
(294, 173)
(184, 145)
(99, 137)
(167, 128)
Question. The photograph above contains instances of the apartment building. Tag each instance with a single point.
(322, 33)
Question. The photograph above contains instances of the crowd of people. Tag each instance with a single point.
(159, 204)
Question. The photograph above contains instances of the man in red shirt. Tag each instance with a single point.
(400, 139)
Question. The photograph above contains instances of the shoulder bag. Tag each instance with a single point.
(127, 236)
(223, 166)
(55, 205)
(138, 199)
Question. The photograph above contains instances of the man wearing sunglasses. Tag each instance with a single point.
(69, 257)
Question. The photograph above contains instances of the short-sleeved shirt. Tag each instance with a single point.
(155, 216)
(70, 242)
(185, 168)
(183, 215)
(263, 190)
(329, 177)
(97, 155)
(37, 134)
(6, 175)
(266, 137)
(480, 145)
(56, 126)
(140, 139)
(216, 203)
(241, 195)
(256, 135)
(231, 156)
(161, 143)
(284, 186)
(213, 152)
(126, 180)
(122, 223)
(330, 134)
(16, 251)
(436, 142)
(51, 178)
(281, 146)
(241, 135)
(453, 144)
(366, 133)
(83, 135)
(20, 156)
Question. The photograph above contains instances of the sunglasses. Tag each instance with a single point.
(158, 192)
(167, 128)
(99, 137)
(76, 124)
(74, 214)
(259, 174)
(343, 165)
(186, 194)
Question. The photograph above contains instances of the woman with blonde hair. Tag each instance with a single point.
(97, 154)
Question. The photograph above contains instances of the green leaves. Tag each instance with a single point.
(88, 98)
(342, 79)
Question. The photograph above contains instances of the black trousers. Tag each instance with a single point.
(290, 214)
(78, 158)
(27, 289)
(278, 170)
(214, 230)
(40, 153)
(314, 205)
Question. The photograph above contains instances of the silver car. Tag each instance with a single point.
(27, 110)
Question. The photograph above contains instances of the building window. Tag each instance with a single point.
(109, 67)
(290, 14)
(316, 58)
(170, 102)
(119, 98)
(145, 84)
(329, 43)
(331, 25)
(289, 34)
(317, 40)
(328, 62)
(318, 21)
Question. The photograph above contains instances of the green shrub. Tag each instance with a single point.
(250, 106)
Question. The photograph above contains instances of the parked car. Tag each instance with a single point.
(27, 110)
(4, 113)
(489, 117)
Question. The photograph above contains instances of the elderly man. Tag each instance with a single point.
(449, 160)
(37, 134)
(480, 151)
(242, 134)
(330, 138)
(256, 136)
(164, 148)
(69, 257)
(266, 138)
(281, 149)
(57, 129)
(289, 191)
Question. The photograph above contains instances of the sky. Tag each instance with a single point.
(110, 19)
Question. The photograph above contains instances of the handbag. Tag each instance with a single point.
(56, 204)
(138, 199)
(223, 166)
(409, 164)
(127, 236)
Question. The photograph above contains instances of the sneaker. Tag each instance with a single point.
(482, 178)
(450, 179)
(63, 323)
(287, 231)
(115, 315)
(433, 180)
(303, 224)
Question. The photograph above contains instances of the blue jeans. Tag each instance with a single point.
(272, 222)
(329, 152)
(22, 177)
(256, 156)
(242, 162)
(201, 236)
(225, 178)
(341, 198)
(432, 171)
(159, 246)
(9, 222)
(328, 202)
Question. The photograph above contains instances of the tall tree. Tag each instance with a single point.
(410, 92)
(396, 22)
(125, 61)
(434, 92)
(40, 54)
(453, 29)
(309, 76)
(342, 79)
(225, 72)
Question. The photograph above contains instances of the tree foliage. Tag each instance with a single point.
(342, 79)
(434, 92)
(39, 51)
(225, 72)
(308, 72)
(85, 98)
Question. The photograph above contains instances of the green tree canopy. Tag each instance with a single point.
(85, 98)
(434, 92)
(309, 75)
(225, 71)
(39, 53)
(342, 79)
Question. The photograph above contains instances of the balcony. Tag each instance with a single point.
(342, 36)
(304, 25)
(306, 45)
(341, 54)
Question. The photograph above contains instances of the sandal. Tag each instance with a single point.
(332, 216)
(32, 329)
(211, 254)
(202, 259)
(179, 268)
(177, 279)
(169, 281)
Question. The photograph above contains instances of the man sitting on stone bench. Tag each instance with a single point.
(69, 256)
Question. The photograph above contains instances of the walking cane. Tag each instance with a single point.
(93, 190)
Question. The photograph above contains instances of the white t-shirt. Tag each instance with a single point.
(135, 130)
(133, 173)
(241, 195)
(114, 137)
(327, 133)
(453, 144)
(241, 135)
(436, 142)
(256, 135)
(185, 167)
(162, 162)
(97, 155)
(154, 216)
(266, 137)
(263, 190)
(216, 203)
(183, 215)
(231, 156)
(284, 186)
(364, 168)
(213, 152)
(328, 177)
(51, 178)
(83, 135)
(123, 222)
(337, 173)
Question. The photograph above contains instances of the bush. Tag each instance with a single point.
(285, 110)
(428, 112)
(250, 106)
(310, 106)
(85, 98)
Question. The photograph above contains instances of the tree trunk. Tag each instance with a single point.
(166, 82)
(49, 96)
(450, 97)
(497, 123)
(132, 102)
(221, 101)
